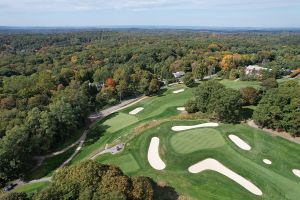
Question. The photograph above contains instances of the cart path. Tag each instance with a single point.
(284, 135)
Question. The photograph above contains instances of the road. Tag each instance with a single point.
(94, 117)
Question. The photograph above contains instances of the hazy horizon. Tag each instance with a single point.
(159, 13)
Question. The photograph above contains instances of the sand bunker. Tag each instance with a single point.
(239, 142)
(153, 155)
(136, 111)
(205, 125)
(296, 172)
(214, 165)
(181, 108)
(178, 91)
(267, 161)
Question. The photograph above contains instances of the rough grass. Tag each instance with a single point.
(49, 165)
(240, 84)
(196, 139)
(32, 187)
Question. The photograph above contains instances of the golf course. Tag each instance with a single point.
(163, 142)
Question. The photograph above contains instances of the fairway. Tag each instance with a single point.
(195, 140)
(119, 121)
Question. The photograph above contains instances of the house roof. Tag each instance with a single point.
(178, 74)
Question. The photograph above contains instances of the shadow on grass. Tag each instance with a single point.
(49, 165)
(165, 193)
(246, 113)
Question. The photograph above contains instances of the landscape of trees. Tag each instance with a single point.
(90, 180)
(49, 83)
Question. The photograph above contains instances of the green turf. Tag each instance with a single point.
(196, 139)
(240, 84)
(276, 181)
(32, 187)
(126, 162)
(119, 121)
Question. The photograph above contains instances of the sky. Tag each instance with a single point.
(199, 13)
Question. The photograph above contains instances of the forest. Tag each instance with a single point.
(50, 83)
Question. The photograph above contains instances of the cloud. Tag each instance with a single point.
(90, 5)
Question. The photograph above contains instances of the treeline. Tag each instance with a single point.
(49, 83)
(90, 180)
(278, 107)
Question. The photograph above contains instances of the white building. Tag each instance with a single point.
(254, 68)
(178, 74)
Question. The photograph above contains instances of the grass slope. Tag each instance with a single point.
(276, 181)
(196, 139)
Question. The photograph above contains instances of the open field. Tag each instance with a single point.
(179, 150)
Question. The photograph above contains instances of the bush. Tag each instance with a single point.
(191, 106)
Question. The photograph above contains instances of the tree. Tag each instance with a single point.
(154, 86)
(213, 98)
(101, 74)
(91, 180)
(188, 79)
(269, 83)
(199, 71)
(279, 108)
(250, 96)
(15, 196)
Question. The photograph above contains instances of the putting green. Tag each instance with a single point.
(196, 139)
(126, 162)
(119, 121)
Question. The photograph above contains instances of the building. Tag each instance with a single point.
(254, 69)
(178, 74)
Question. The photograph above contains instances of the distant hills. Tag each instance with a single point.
(33, 29)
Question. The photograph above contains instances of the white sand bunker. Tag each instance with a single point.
(153, 155)
(136, 111)
(205, 125)
(178, 91)
(267, 161)
(181, 108)
(239, 142)
(296, 172)
(214, 165)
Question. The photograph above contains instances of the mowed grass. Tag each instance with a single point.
(126, 162)
(276, 180)
(119, 121)
(119, 125)
(195, 140)
(240, 84)
(32, 187)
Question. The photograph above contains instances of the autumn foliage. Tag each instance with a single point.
(110, 82)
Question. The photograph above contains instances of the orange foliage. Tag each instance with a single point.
(110, 82)
(295, 73)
